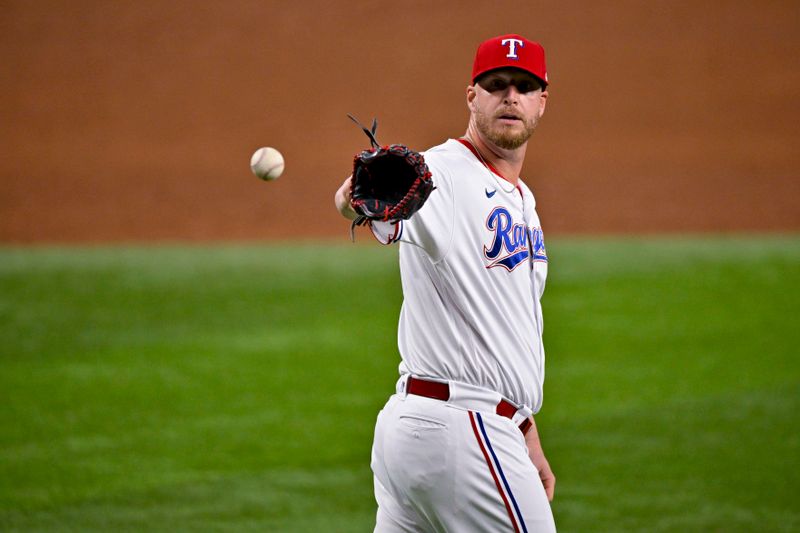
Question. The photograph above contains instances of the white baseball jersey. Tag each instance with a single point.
(473, 268)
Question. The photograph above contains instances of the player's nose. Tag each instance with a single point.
(512, 94)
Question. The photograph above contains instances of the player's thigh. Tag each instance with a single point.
(498, 486)
(394, 516)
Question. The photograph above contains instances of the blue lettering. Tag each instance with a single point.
(499, 221)
(512, 243)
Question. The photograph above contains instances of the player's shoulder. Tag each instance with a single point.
(449, 151)
(447, 157)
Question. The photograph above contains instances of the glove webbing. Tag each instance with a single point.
(370, 133)
(360, 219)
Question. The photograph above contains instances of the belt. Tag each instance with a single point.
(441, 391)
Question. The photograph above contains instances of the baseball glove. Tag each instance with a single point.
(389, 182)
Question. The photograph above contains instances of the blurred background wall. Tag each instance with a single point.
(135, 121)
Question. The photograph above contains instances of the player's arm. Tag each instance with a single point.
(342, 200)
(536, 454)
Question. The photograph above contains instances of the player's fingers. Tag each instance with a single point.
(550, 488)
(548, 481)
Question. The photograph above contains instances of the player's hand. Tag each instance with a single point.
(546, 475)
(342, 200)
(538, 459)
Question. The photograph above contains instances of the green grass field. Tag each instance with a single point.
(235, 388)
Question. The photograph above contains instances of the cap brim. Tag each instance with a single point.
(542, 82)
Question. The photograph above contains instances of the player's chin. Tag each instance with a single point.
(510, 139)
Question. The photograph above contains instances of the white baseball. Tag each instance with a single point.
(267, 163)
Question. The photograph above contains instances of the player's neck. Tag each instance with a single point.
(507, 162)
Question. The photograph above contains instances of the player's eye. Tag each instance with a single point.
(494, 84)
(499, 85)
(526, 86)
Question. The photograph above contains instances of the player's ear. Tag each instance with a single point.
(542, 102)
(471, 94)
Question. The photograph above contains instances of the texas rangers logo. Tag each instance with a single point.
(512, 47)
(512, 244)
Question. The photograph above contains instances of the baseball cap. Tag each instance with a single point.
(510, 50)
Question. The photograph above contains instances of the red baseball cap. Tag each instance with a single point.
(510, 50)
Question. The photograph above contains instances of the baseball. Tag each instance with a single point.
(267, 163)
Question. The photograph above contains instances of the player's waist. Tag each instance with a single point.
(466, 396)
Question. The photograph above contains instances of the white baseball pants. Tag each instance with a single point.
(440, 467)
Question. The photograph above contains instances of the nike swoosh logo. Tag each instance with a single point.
(489, 193)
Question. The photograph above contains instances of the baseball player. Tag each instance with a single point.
(456, 447)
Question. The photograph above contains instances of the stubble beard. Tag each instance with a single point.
(505, 138)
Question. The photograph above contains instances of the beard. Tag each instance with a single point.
(502, 136)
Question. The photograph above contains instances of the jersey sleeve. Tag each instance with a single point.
(430, 228)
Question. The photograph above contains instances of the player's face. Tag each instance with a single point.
(506, 106)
